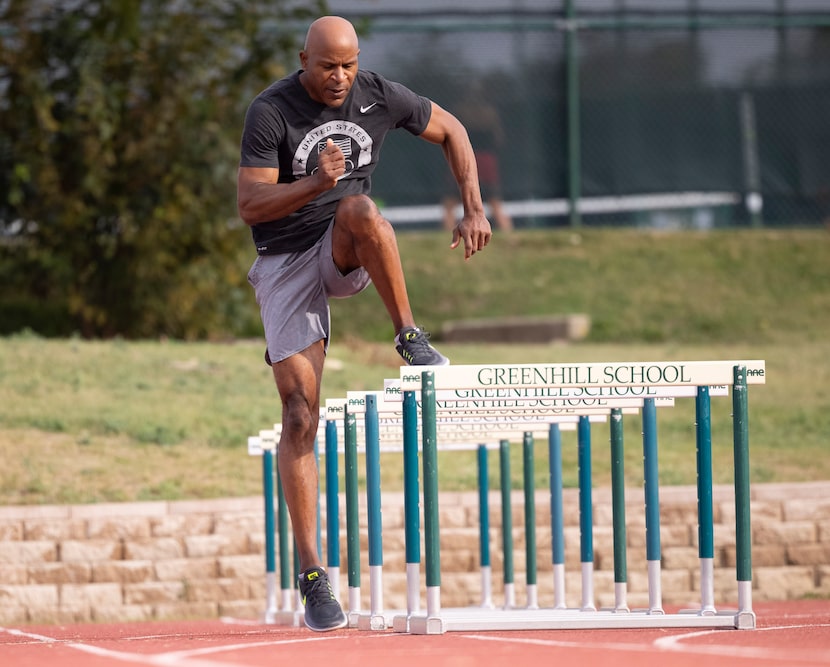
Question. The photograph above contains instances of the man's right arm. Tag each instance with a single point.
(260, 197)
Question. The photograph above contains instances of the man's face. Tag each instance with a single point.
(329, 72)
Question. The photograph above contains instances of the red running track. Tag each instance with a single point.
(791, 634)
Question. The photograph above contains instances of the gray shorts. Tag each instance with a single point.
(293, 290)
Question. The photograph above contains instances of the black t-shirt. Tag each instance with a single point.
(286, 129)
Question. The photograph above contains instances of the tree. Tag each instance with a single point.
(119, 128)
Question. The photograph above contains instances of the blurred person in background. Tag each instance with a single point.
(487, 137)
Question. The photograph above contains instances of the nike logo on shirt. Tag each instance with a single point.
(365, 109)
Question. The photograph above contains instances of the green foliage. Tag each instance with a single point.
(119, 126)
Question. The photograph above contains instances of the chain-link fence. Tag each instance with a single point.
(671, 116)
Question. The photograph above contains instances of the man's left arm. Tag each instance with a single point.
(447, 131)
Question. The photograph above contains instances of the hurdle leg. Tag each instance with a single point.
(484, 529)
(332, 509)
(270, 547)
(652, 502)
(586, 517)
(705, 520)
(286, 587)
(618, 511)
(295, 580)
(412, 520)
(557, 521)
(743, 532)
(319, 504)
(376, 618)
(530, 522)
(352, 517)
(432, 545)
(506, 525)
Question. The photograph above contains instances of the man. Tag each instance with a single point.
(309, 145)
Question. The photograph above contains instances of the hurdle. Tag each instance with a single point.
(736, 374)
(472, 422)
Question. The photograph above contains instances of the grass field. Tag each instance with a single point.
(89, 421)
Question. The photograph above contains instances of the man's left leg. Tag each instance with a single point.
(361, 236)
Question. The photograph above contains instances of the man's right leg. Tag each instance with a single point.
(298, 381)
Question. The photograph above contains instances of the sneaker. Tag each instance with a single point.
(413, 345)
(322, 610)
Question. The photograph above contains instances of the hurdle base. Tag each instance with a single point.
(379, 621)
(401, 623)
(474, 620)
(745, 620)
(427, 625)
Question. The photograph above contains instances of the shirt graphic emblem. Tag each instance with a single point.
(350, 138)
(366, 108)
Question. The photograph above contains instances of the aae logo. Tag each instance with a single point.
(755, 372)
(410, 378)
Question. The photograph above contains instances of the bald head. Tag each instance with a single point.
(329, 60)
(330, 32)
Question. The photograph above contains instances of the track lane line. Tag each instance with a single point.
(674, 643)
(184, 658)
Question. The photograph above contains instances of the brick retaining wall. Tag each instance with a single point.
(141, 561)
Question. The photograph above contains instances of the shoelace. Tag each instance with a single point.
(319, 592)
(420, 338)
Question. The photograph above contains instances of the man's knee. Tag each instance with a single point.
(297, 417)
(359, 214)
(358, 207)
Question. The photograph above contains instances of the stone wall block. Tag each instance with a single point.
(76, 572)
(31, 597)
(178, 569)
(124, 572)
(11, 531)
(155, 592)
(24, 553)
(179, 525)
(55, 530)
(154, 548)
(91, 550)
(783, 532)
(200, 546)
(124, 528)
(241, 566)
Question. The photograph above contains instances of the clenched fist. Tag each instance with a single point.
(331, 165)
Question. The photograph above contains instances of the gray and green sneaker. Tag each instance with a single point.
(322, 610)
(413, 345)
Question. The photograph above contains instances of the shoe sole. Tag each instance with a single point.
(446, 362)
(342, 624)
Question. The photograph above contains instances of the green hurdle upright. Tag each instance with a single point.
(530, 521)
(618, 511)
(743, 532)
(506, 525)
(352, 518)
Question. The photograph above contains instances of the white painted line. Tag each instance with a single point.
(187, 658)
